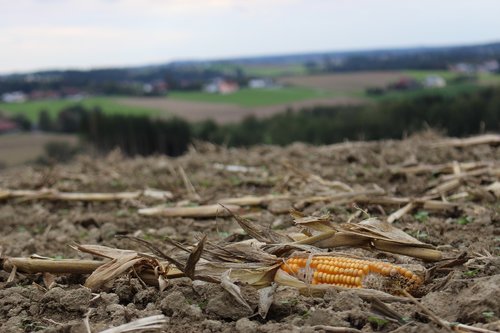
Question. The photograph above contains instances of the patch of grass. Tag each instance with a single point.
(377, 323)
(418, 234)
(224, 234)
(28, 325)
(253, 97)
(291, 301)
(421, 216)
(203, 304)
(489, 79)
(235, 181)
(122, 213)
(84, 234)
(306, 314)
(108, 105)
(464, 220)
(471, 273)
(488, 314)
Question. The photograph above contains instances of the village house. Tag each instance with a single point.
(14, 97)
(266, 83)
(434, 81)
(8, 126)
(221, 86)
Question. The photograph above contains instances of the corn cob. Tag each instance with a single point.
(348, 272)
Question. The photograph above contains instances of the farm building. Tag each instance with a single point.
(434, 81)
(8, 126)
(14, 97)
(221, 86)
(262, 84)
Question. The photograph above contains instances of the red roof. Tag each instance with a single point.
(7, 125)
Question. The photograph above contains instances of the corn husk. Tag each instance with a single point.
(143, 324)
(55, 195)
(372, 234)
(193, 212)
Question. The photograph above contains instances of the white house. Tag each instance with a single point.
(14, 97)
(434, 81)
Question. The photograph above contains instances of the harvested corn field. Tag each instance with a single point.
(383, 236)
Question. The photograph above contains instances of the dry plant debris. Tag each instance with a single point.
(332, 238)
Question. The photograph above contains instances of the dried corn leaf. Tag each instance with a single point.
(373, 233)
(113, 269)
(193, 258)
(256, 231)
(467, 142)
(102, 251)
(494, 188)
(245, 251)
(266, 297)
(374, 227)
(401, 212)
(35, 265)
(321, 223)
(251, 200)
(53, 194)
(143, 324)
(234, 290)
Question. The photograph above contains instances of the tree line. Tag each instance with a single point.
(457, 115)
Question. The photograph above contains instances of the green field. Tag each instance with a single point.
(422, 74)
(450, 90)
(302, 87)
(254, 97)
(107, 104)
(482, 78)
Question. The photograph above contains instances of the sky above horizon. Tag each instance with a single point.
(62, 34)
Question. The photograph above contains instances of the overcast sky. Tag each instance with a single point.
(48, 34)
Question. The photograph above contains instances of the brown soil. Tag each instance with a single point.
(19, 148)
(468, 293)
(223, 112)
(345, 82)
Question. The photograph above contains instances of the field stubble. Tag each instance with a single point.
(386, 176)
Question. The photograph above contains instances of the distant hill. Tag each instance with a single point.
(461, 53)
(465, 52)
(192, 75)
